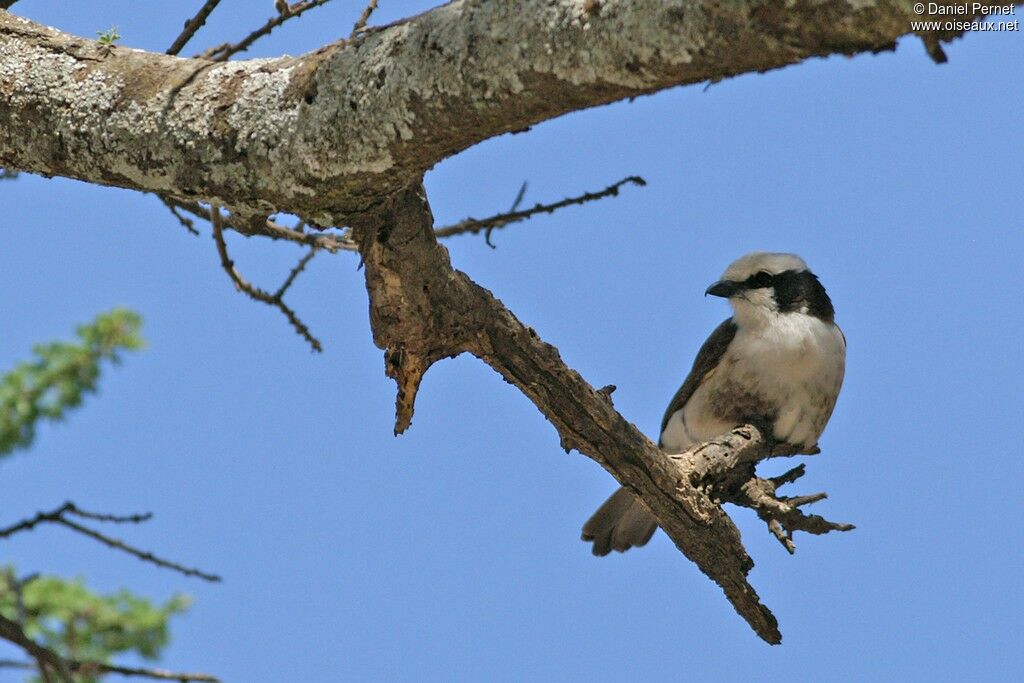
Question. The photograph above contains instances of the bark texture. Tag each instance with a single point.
(326, 135)
(343, 135)
(423, 310)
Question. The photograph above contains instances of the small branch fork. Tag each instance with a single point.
(62, 516)
(360, 24)
(262, 226)
(724, 469)
(276, 299)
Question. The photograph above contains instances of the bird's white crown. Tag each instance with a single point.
(770, 262)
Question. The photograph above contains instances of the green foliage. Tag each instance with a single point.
(78, 624)
(109, 37)
(62, 614)
(60, 375)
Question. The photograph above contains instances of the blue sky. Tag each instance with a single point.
(452, 552)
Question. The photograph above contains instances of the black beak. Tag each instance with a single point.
(722, 288)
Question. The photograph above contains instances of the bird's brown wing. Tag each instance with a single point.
(707, 360)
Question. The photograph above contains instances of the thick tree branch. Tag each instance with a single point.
(422, 310)
(328, 134)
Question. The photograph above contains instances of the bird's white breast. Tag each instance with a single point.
(790, 368)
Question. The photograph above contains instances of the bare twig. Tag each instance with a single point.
(299, 267)
(57, 516)
(92, 668)
(256, 293)
(45, 658)
(17, 588)
(185, 221)
(476, 225)
(137, 518)
(191, 26)
(15, 664)
(332, 243)
(60, 516)
(222, 52)
(515, 207)
(363, 18)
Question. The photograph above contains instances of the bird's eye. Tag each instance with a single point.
(759, 280)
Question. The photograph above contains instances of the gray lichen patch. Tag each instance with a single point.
(342, 128)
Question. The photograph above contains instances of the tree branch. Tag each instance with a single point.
(90, 668)
(360, 24)
(421, 310)
(329, 134)
(257, 294)
(60, 516)
(191, 26)
(46, 659)
(332, 243)
(476, 225)
(223, 52)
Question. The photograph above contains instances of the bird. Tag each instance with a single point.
(777, 363)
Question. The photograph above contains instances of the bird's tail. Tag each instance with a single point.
(621, 523)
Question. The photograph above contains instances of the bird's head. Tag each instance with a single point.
(763, 285)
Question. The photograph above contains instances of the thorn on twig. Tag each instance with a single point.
(515, 207)
(257, 294)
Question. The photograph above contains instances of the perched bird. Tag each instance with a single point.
(777, 363)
